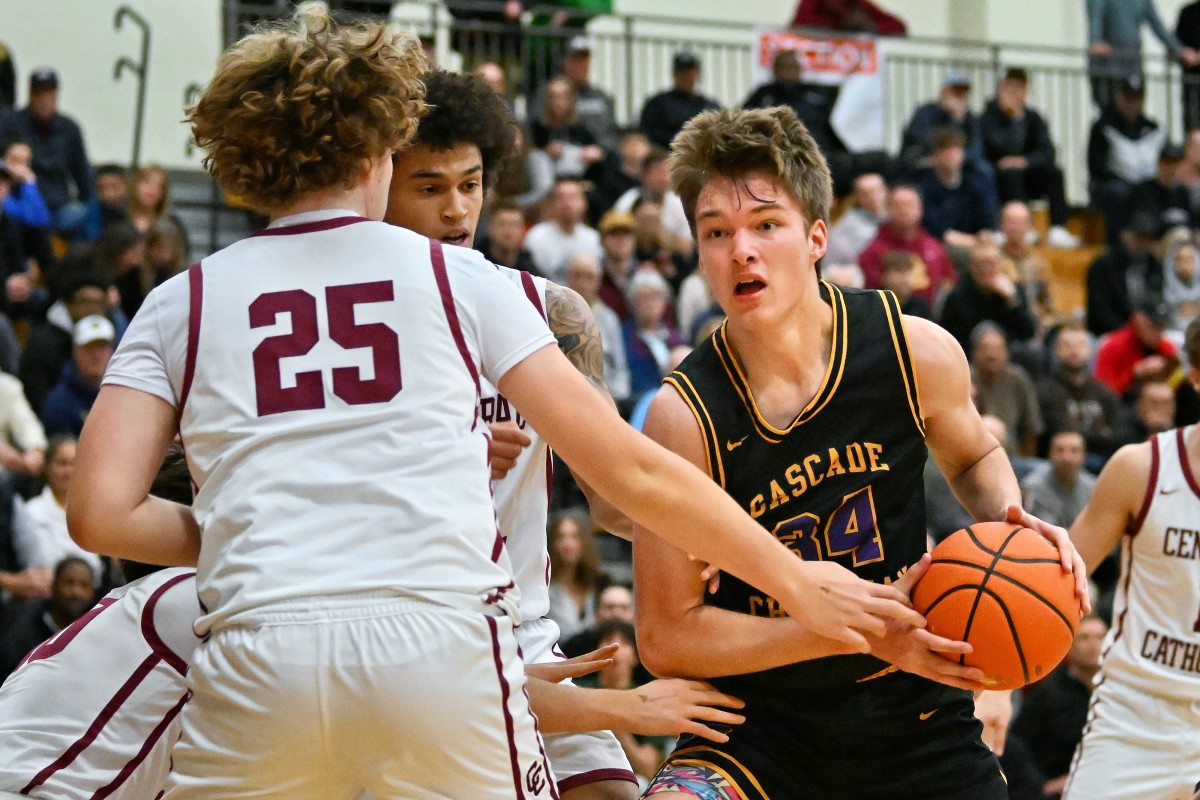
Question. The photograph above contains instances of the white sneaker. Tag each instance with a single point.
(1058, 236)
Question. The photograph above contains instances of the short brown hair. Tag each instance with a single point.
(299, 106)
(947, 137)
(735, 143)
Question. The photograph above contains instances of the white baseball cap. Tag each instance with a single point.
(93, 329)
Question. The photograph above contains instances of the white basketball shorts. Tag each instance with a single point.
(1136, 746)
(328, 697)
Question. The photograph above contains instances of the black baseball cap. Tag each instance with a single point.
(43, 78)
(1144, 223)
(685, 60)
(1132, 86)
(1155, 309)
(1170, 152)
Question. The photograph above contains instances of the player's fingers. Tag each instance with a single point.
(968, 676)
(888, 593)
(1081, 585)
(716, 715)
(705, 695)
(560, 671)
(704, 731)
(892, 609)
(1016, 515)
(606, 651)
(508, 432)
(940, 644)
(913, 574)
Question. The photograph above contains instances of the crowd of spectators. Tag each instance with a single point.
(81, 245)
(947, 223)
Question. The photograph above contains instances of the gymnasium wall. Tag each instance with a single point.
(78, 37)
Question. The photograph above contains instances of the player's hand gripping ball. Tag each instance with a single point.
(1001, 588)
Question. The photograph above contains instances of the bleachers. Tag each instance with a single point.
(210, 223)
(1068, 267)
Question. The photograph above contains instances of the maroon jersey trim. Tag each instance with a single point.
(1153, 482)
(443, 282)
(150, 633)
(532, 293)
(147, 747)
(1186, 462)
(106, 714)
(504, 695)
(310, 227)
(195, 307)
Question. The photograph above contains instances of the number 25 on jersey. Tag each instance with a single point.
(309, 392)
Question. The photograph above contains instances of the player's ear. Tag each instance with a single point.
(818, 238)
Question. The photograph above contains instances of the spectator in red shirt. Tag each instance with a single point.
(903, 231)
(1137, 352)
(861, 16)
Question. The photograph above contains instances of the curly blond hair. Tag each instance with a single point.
(303, 105)
(735, 143)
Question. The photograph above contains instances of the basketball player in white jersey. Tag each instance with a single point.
(1142, 737)
(324, 377)
(94, 711)
(437, 190)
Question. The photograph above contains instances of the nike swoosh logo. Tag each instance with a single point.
(1168, 491)
(927, 714)
(732, 445)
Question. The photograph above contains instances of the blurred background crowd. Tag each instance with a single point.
(1070, 310)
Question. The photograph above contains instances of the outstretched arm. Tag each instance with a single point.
(664, 493)
(1115, 504)
(665, 707)
(573, 325)
(973, 462)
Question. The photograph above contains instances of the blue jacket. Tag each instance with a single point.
(970, 207)
(26, 205)
(68, 403)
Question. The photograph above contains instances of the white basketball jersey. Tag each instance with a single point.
(1154, 644)
(523, 495)
(329, 393)
(94, 711)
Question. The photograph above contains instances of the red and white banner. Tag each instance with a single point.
(854, 63)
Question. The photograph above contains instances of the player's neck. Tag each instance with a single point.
(785, 361)
(325, 200)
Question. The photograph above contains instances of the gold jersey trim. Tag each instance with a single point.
(708, 430)
(834, 370)
(908, 372)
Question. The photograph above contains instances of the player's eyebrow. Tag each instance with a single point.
(765, 205)
(435, 174)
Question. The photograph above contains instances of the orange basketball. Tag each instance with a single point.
(1000, 587)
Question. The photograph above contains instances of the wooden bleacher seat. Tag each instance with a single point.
(1068, 275)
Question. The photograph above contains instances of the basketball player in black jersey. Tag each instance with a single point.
(815, 407)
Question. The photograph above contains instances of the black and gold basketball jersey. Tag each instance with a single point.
(842, 482)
